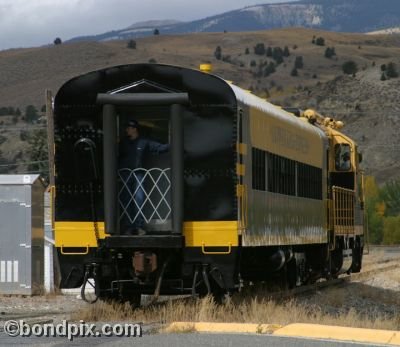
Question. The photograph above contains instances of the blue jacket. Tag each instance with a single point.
(132, 152)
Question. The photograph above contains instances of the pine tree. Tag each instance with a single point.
(391, 71)
(320, 41)
(286, 52)
(218, 53)
(131, 44)
(259, 49)
(298, 63)
(350, 67)
(31, 114)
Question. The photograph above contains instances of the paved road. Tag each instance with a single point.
(178, 340)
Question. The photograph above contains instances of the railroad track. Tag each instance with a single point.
(382, 266)
(311, 288)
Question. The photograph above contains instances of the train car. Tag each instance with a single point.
(246, 193)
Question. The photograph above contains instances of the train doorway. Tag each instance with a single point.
(144, 170)
(149, 195)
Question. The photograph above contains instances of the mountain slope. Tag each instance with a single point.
(333, 15)
(367, 105)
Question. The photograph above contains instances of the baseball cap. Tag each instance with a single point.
(132, 123)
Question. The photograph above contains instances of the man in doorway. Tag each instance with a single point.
(132, 152)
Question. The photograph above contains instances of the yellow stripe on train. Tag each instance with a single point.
(77, 234)
(197, 234)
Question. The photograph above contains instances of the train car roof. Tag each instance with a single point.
(203, 88)
(254, 101)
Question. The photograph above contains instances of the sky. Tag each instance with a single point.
(28, 23)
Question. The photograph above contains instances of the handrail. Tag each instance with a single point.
(74, 253)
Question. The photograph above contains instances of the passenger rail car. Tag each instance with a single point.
(247, 192)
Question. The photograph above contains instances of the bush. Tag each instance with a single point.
(286, 52)
(226, 58)
(253, 63)
(294, 72)
(298, 63)
(156, 32)
(320, 41)
(269, 52)
(131, 44)
(247, 51)
(391, 71)
(57, 41)
(391, 230)
(270, 69)
(330, 52)
(218, 53)
(277, 55)
(259, 49)
(31, 114)
(383, 67)
(350, 67)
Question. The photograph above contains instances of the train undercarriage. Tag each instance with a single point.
(119, 272)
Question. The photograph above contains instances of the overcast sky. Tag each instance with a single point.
(27, 23)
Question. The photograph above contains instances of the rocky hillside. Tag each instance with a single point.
(335, 15)
(367, 104)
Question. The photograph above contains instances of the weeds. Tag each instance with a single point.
(239, 310)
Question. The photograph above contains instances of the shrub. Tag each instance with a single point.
(156, 32)
(330, 52)
(31, 114)
(349, 67)
(320, 41)
(286, 52)
(259, 49)
(131, 44)
(391, 71)
(277, 55)
(247, 51)
(294, 72)
(270, 69)
(57, 41)
(298, 63)
(218, 53)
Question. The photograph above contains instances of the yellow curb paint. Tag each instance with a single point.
(223, 327)
(340, 333)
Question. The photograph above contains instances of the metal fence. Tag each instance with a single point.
(343, 210)
(144, 194)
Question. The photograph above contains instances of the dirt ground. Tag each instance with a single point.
(374, 297)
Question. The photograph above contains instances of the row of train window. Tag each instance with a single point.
(276, 174)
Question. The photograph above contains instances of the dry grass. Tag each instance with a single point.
(256, 310)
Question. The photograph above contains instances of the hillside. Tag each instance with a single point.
(367, 105)
(334, 15)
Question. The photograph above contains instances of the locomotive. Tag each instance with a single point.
(248, 191)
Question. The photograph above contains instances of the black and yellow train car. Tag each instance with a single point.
(247, 191)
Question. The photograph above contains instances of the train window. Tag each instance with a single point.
(258, 169)
(281, 175)
(309, 181)
(342, 157)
